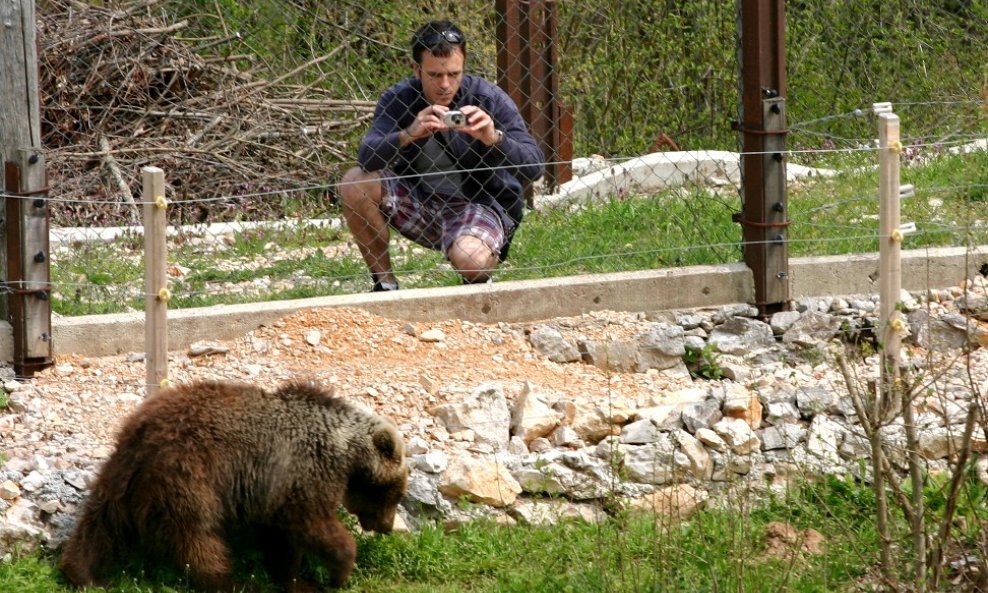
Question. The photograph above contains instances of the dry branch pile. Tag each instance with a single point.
(123, 87)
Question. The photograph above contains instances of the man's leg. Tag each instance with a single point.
(472, 258)
(361, 194)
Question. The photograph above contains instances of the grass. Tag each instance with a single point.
(717, 549)
(682, 227)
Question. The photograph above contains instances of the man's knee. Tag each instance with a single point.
(358, 186)
(472, 258)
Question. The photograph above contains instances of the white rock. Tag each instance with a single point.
(313, 337)
(9, 490)
(432, 336)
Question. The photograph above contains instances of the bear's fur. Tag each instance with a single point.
(195, 463)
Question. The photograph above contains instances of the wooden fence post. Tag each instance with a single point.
(891, 323)
(156, 292)
(24, 266)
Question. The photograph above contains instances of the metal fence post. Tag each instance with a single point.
(527, 65)
(764, 212)
(28, 265)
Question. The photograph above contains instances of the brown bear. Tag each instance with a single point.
(196, 463)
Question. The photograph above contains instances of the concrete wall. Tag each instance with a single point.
(529, 300)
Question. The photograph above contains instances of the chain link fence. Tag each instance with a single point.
(256, 113)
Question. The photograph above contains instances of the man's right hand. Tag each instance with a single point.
(427, 122)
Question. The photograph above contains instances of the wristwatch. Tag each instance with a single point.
(500, 137)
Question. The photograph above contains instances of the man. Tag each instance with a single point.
(454, 186)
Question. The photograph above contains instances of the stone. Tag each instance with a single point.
(702, 414)
(432, 336)
(782, 436)
(664, 417)
(9, 490)
(549, 342)
(641, 432)
(700, 464)
(823, 439)
(781, 321)
(814, 400)
(738, 435)
(739, 335)
(484, 481)
(679, 501)
(812, 329)
(782, 412)
(619, 356)
(651, 463)
(531, 416)
(711, 439)
(484, 412)
(661, 347)
(743, 404)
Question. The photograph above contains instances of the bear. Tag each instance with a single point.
(196, 464)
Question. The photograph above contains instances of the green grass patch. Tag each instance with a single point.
(692, 225)
(717, 549)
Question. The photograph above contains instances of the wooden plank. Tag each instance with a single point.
(155, 278)
(20, 116)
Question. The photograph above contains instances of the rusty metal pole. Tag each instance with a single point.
(527, 66)
(764, 217)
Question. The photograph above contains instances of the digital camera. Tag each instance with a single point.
(455, 119)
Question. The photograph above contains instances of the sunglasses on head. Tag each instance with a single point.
(433, 39)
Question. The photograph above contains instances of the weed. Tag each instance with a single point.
(703, 363)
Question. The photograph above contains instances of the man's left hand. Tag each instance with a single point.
(480, 125)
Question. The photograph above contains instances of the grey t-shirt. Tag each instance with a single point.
(438, 170)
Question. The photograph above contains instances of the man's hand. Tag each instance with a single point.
(480, 125)
(427, 122)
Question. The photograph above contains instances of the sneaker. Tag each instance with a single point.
(384, 286)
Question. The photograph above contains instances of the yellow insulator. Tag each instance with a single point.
(161, 202)
(896, 236)
(897, 325)
(164, 295)
(165, 383)
(895, 146)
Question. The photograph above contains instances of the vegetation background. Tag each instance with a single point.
(632, 69)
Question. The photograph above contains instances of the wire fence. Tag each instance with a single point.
(255, 114)
(255, 140)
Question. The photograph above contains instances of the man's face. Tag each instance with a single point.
(440, 76)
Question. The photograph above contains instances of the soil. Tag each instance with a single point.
(398, 368)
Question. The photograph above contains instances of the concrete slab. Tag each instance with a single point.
(529, 300)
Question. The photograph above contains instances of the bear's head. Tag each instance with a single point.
(380, 482)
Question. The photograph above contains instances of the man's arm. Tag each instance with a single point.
(515, 146)
(385, 138)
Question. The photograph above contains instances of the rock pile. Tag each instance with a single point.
(758, 404)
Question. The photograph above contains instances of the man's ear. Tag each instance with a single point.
(417, 69)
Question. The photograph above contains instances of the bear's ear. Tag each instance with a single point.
(388, 442)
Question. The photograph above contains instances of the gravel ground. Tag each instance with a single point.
(401, 369)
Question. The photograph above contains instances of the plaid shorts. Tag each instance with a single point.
(435, 220)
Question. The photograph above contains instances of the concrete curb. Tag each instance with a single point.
(529, 300)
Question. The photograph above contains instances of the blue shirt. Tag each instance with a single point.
(492, 175)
